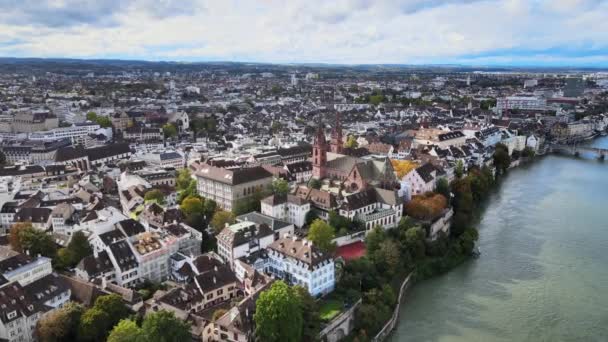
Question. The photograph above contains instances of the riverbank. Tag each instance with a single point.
(541, 265)
(434, 267)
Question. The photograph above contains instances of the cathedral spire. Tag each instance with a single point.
(336, 136)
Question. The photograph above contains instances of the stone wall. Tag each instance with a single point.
(390, 325)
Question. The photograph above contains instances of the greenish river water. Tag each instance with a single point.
(543, 272)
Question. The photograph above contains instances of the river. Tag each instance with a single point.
(543, 272)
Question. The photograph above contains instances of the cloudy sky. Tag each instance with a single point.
(473, 32)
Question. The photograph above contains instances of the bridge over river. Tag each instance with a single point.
(576, 149)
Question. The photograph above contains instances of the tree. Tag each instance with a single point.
(389, 255)
(414, 239)
(351, 142)
(276, 127)
(183, 180)
(23, 237)
(104, 121)
(92, 116)
(374, 239)
(220, 219)
(163, 326)
(310, 314)
(191, 205)
(528, 152)
(501, 158)
(426, 207)
(280, 187)
(310, 217)
(403, 167)
(322, 234)
(278, 315)
(126, 331)
(459, 171)
(169, 130)
(94, 325)
(77, 249)
(60, 324)
(114, 306)
(2, 158)
(443, 188)
(190, 191)
(315, 183)
(209, 208)
(155, 195)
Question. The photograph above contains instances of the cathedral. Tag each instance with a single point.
(354, 173)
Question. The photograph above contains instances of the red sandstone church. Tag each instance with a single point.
(354, 173)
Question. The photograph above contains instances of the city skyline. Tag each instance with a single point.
(469, 32)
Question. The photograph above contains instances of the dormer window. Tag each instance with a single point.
(12, 314)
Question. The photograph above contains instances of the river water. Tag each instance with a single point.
(543, 272)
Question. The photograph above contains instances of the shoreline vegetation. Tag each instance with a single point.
(392, 255)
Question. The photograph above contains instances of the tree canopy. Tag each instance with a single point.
(351, 142)
(191, 205)
(163, 326)
(280, 187)
(126, 331)
(60, 324)
(169, 130)
(426, 207)
(321, 234)
(403, 167)
(25, 238)
(278, 315)
(220, 218)
(155, 195)
(502, 159)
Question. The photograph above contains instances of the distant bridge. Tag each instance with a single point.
(576, 150)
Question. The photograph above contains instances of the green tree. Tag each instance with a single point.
(220, 219)
(191, 205)
(414, 238)
(280, 187)
(278, 315)
(126, 331)
(163, 326)
(443, 187)
(190, 191)
(310, 217)
(104, 121)
(502, 159)
(155, 195)
(60, 324)
(459, 171)
(374, 239)
(94, 325)
(77, 249)
(183, 180)
(321, 234)
(92, 116)
(528, 152)
(310, 314)
(114, 306)
(23, 237)
(388, 255)
(169, 130)
(276, 127)
(351, 142)
(315, 183)
(2, 159)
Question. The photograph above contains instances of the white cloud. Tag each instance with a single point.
(341, 31)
